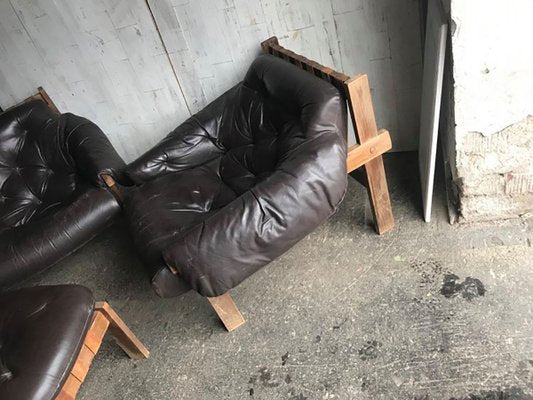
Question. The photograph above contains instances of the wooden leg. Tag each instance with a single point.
(122, 334)
(227, 311)
(378, 192)
(364, 122)
(104, 318)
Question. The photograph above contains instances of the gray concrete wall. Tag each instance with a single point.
(489, 142)
(104, 59)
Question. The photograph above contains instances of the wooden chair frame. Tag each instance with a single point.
(104, 319)
(367, 154)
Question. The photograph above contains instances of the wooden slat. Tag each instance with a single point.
(363, 119)
(69, 389)
(96, 333)
(227, 311)
(360, 154)
(271, 46)
(44, 96)
(125, 338)
(104, 317)
(40, 95)
(83, 362)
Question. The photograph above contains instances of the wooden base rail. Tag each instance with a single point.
(104, 319)
(227, 311)
(224, 306)
(371, 143)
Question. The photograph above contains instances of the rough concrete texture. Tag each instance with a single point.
(495, 173)
(487, 127)
(427, 312)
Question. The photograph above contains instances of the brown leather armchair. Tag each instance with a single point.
(239, 183)
(52, 199)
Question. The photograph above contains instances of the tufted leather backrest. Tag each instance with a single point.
(46, 160)
(269, 117)
(250, 129)
(36, 175)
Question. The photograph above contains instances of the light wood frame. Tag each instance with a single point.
(43, 96)
(40, 95)
(227, 311)
(104, 319)
(367, 154)
(224, 306)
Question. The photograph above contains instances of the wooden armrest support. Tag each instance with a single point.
(359, 154)
(104, 319)
(173, 269)
(112, 185)
(108, 180)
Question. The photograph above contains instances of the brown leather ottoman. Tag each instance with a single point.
(48, 338)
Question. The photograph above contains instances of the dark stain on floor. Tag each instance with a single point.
(284, 358)
(469, 289)
(370, 350)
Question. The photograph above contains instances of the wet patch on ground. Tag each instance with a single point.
(469, 289)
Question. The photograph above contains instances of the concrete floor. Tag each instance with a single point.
(346, 314)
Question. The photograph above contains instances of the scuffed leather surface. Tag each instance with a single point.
(41, 333)
(32, 247)
(240, 182)
(49, 205)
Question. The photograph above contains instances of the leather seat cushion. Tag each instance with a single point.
(162, 210)
(41, 333)
(38, 245)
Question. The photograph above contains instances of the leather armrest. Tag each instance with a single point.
(263, 223)
(91, 150)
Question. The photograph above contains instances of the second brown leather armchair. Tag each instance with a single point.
(52, 199)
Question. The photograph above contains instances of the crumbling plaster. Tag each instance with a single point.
(490, 146)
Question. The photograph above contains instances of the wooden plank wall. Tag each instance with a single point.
(212, 42)
(104, 59)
